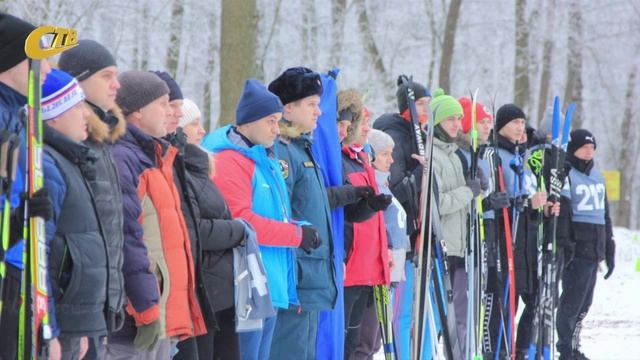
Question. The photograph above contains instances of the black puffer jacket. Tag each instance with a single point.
(105, 128)
(219, 234)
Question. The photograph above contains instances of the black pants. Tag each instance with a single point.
(578, 283)
(221, 344)
(10, 313)
(356, 299)
(525, 323)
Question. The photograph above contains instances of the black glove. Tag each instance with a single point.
(484, 181)
(610, 258)
(363, 191)
(519, 202)
(475, 186)
(569, 253)
(379, 202)
(496, 201)
(39, 204)
(310, 239)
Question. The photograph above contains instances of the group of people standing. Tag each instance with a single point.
(165, 243)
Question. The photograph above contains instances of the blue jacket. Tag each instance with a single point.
(251, 182)
(11, 102)
(309, 202)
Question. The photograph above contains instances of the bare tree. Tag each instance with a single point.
(521, 66)
(448, 44)
(338, 10)
(627, 160)
(237, 52)
(573, 89)
(173, 50)
(210, 67)
(372, 49)
(547, 53)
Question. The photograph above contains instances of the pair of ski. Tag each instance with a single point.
(431, 267)
(543, 333)
(33, 329)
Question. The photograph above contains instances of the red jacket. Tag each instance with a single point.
(368, 259)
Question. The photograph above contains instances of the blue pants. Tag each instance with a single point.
(256, 345)
(403, 317)
(295, 333)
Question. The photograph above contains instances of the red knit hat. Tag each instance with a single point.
(481, 113)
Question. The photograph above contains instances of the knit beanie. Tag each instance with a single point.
(481, 113)
(85, 59)
(379, 140)
(256, 102)
(296, 83)
(190, 112)
(175, 93)
(444, 106)
(138, 89)
(13, 35)
(419, 91)
(579, 138)
(506, 114)
(60, 92)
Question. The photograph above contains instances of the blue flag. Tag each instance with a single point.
(326, 152)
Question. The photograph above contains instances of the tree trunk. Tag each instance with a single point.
(338, 8)
(545, 73)
(237, 53)
(173, 50)
(448, 45)
(521, 70)
(207, 120)
(372, 49)
(627, 159)
(573, 89)
(144, 37)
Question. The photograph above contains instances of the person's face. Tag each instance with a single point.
(194, 131)
(422, 106)
(304, 113)
(513, 130)
(364, 130)
(153, 118)
(174, 115)
(72, 123)
(451, 125)
(586, 152)
(484, 129)
(101, 87)
(18, 76)
(343, 126)
(384, 159)
(263, 131)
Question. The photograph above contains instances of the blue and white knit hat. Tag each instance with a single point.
(60, 92)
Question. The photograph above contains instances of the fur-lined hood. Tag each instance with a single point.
(100, 131)
(351, 99)
(463, 141)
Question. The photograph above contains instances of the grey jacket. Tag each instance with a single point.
(454, 196)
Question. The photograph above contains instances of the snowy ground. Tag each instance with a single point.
(612, 328)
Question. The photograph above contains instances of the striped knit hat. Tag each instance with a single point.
(60, 92)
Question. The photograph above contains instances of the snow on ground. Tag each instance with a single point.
(612, 328)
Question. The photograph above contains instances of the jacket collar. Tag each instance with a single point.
(583, 166)
(76, 152)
